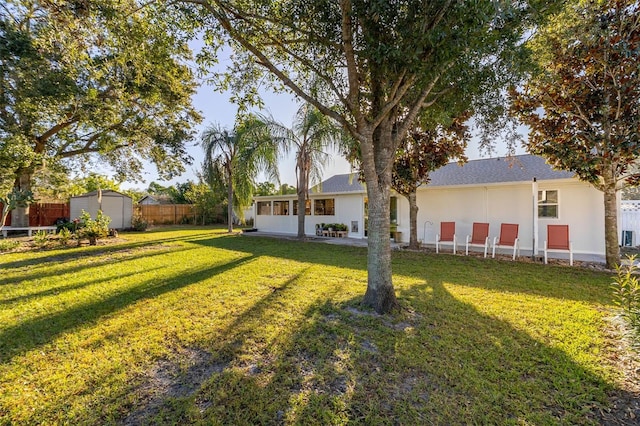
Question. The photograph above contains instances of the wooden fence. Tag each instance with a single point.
(166, 214)
(44, 214)
(47, 213)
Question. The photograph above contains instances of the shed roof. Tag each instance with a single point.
(105, 193)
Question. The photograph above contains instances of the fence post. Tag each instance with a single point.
(629, 218)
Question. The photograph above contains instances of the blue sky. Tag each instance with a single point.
(216, 108)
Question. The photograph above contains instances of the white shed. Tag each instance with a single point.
(119, 207)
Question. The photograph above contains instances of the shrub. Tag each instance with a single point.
(334, 226)
(138, 223)
(8, 245)
(64, 235)
(64, 223)
(626, 292)
(91, 229)
(41, 239)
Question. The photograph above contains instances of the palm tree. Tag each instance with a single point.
(312, 133)
(234, 159)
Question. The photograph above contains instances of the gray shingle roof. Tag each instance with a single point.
(519, 168)
(339, 183)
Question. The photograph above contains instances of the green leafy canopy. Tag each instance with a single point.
(85, 81)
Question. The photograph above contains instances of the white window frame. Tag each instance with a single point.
(269, 203)
(541, 204)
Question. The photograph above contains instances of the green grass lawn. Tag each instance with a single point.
(191, 325)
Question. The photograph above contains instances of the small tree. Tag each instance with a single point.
(208, 204)
(582, 105)
(311, 134)
(421, 152)
(92, 229)
(234, 159)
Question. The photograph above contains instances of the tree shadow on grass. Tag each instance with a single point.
(44, 260)
(158, 395)
(62, 288)
(38, 331)
(440, 361)
(143, 252)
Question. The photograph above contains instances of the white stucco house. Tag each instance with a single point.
(494, 191)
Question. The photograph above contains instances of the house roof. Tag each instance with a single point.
(519, 168)
(159, 199)
(339, 183)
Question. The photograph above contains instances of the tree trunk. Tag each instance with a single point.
(380, 294)
(612, 249)
(229, 203)
(413, 221)
(377, 160)
(302, 189)
(302, 205)
(20, 215)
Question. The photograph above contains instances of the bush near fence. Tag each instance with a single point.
(167, 214)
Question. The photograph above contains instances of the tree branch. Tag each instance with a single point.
(71, 119)
(262, 59)
(89, 150)
(415, 109)
(353, 97)
(87, 146)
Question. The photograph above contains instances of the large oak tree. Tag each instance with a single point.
(92, 80)
(383, 62)
(583, 104)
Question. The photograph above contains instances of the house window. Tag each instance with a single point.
(264, 208)
(281, 208)
(307, 207)
(548, 204)
(326, 207)
(393, 210)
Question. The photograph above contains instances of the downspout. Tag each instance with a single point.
(534, 204)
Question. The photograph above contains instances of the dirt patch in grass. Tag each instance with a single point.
(178, 377)
(53, 242)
